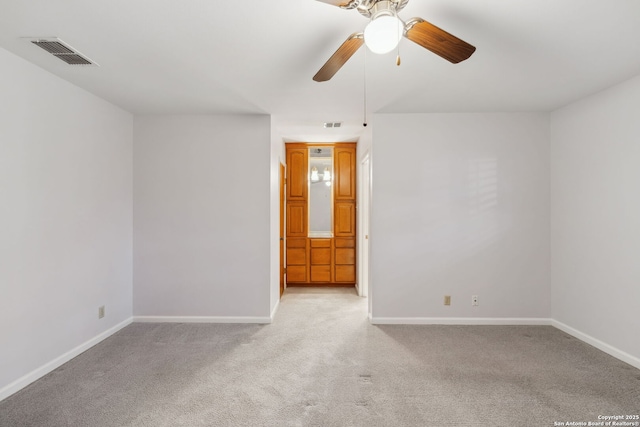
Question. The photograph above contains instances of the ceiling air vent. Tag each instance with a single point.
(330, 125)
(62, 51)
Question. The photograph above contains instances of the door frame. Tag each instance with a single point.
(282, 175)
(363, 222)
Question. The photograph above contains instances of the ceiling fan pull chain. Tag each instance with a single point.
(364, 123)
(398, 57)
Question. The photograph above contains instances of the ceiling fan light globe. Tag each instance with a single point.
(383, 34)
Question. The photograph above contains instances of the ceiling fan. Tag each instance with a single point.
(384, 31)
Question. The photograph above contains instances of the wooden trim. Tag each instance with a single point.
(282, 228)
(320, 144)
(321, 285)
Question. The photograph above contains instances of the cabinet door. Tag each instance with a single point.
(345, 219)
(297, 174)
(296, 219)
(345, 173)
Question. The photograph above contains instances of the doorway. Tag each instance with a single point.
(364, 234)
(320, 236)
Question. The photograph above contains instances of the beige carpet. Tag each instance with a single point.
(321, 364)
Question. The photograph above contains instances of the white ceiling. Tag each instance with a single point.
(258, 56)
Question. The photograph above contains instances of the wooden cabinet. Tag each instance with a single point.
(345, 260)
(345, 170)
(297, 219)
(345, 219)
(297, 259)
(321, 260)
(297, 161)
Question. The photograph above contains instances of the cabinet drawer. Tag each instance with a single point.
(345, 273)
(296, 256)
(345, 256)
(296, 243)
(320, 256)
(296, 273)
(320, 273)
(320, 243)
(345, 243)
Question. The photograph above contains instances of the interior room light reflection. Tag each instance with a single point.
(326, 175)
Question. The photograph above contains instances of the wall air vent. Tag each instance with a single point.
(331, 125)
(62, 51)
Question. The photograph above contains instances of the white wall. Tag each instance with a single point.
(65, 220)
(202, 216)
(595, 217)
(277, 157)
(460, 208)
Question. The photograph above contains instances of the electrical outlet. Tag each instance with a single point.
(101, 312)
(474, 300)
(447, 300)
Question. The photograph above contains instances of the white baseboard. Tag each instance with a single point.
(609, 349)
(459, 321)
(40, 372)
(274, 311)
(200, 319)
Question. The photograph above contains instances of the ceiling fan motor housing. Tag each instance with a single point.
(369, 8)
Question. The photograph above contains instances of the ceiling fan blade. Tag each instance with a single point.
(344, 4)
(340, 57)
(438, 40)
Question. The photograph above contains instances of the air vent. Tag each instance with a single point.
(330, 125)
(53, 47)
(62, 51)
(74, 59)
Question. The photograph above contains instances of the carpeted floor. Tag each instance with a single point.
(322, 364)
